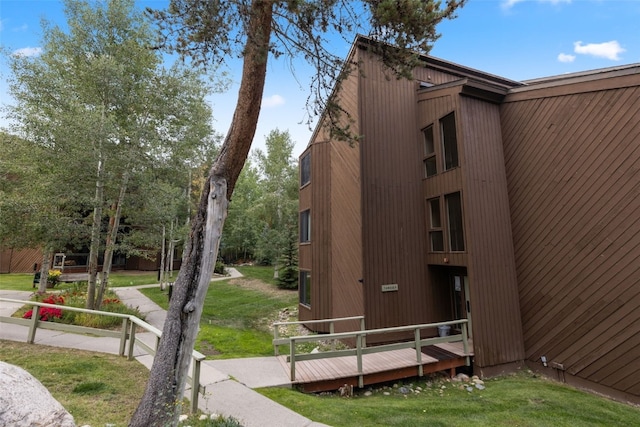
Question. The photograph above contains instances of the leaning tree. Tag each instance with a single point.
(212, 31)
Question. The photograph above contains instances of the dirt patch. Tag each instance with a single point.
(260, 286)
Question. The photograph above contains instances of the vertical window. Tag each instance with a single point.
(305, 288)
(305, 226)
(430, 168)
(449, 141)
(305, 169)
(436, 239)
(454, 216)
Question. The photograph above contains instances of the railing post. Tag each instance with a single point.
(276, 334)
(465, 342)
(359, 359)
(416, 335)
(132, 339)
(123, 336)
(362, 328)
(292, 358)
(195, 385)
(332, 331)
(35, 315)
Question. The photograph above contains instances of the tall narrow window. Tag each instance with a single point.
(305, 288)
(454, 216)
(305, 169)
(430, 168)
(436, 239)
(305, 226)
(449, 141)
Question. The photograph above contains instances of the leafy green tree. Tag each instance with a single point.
(277, 209)
(241, 229)
(99, 98)
(209, 31)
(36, 200)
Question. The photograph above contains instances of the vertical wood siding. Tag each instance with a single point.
(392, 204)
(574, 185)
(333, 196)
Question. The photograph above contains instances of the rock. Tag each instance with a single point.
(404, 390)
(461, 377)
(386, 393)
(480, 386)
(478, 381)
(26, 402)
(368, 393)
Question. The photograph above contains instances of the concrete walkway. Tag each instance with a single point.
(229, 383)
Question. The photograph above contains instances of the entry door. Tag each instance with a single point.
(460, 299)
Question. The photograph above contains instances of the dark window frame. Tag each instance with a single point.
(305, 169)
(305, 287)
(305, 226)
(435, 229)
(455, 221)
(449, 139)
(429, 147)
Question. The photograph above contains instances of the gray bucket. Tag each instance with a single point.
(444, 330)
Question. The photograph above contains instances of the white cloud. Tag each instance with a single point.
(28, 51)
(510, 3)
(564, 57)
(272, 101)
(20, 29)
(609, 50)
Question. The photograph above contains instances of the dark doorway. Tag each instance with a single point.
(453, 289)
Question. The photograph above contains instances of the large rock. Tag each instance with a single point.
(24, 401)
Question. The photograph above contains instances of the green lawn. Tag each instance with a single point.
(97, 389)
(237, 314)
(516, 400)
(24, 281)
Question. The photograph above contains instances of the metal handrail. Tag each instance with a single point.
(129, 323)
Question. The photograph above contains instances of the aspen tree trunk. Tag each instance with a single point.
(110, 243)
(160, 404)
(95, 235)
(47, 253)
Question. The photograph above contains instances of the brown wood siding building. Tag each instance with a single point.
(572, 153)
(512, 204)
(332, 257)
(19, 260)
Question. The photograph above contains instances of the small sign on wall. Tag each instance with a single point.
(390, 288)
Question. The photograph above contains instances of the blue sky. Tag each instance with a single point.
(516, 39)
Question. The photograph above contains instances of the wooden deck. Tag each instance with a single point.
(333, 373)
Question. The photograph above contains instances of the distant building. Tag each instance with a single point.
(515, 204)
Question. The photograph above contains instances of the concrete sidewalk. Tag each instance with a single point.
(229, 383)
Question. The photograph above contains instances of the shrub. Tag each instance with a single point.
(219, 268)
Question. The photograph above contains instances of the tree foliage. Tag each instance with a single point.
(113, 132)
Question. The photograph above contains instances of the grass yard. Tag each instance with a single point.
(24, 281)
(96, 388)
(516, 400)
(237, 314)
